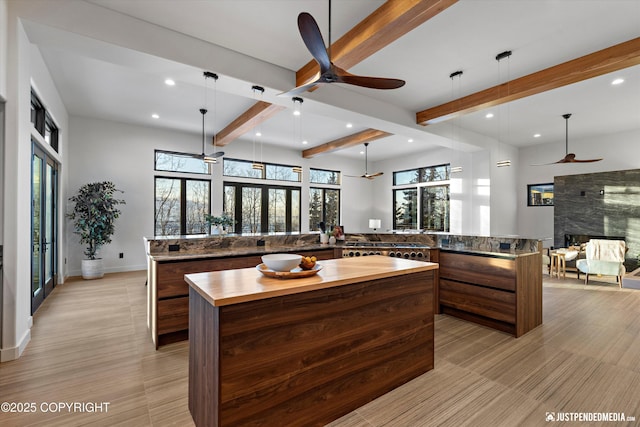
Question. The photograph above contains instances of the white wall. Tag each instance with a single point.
(3, 48)
(620, 151)
(102, 150)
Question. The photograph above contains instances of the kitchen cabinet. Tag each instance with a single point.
(501, 291)
(168, 293)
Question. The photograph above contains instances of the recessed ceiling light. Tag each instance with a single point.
(349, 125)
(155, 116)
(617, 81)
(258, 133)
(537, 135)
(362, 152)
(170, 82)
(489, 115)
(305, 142)
(410, 140)
(296, 112)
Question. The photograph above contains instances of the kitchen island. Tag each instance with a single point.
(264, 351)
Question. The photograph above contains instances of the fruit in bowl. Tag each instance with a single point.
(308, 262)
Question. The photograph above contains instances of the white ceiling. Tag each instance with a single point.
(101, 80)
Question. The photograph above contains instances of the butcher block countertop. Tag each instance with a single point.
(228, 287)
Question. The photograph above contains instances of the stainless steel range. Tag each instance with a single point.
(415, 251)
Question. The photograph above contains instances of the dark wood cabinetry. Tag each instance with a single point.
(502, 293)
(168, 293)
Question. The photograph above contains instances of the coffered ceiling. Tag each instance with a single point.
(99, 79)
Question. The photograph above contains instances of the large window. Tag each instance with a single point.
(422, 201)
(258, 208)
(324, 206)
(181, 205)
(324, 202)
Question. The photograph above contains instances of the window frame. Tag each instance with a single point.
(263, 171)
(178, 153)
(339, 175)
(324, 205)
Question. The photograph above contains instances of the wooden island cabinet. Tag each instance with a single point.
(303, 352)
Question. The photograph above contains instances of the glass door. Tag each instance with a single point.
(44, 184)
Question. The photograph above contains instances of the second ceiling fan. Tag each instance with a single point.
(570, 157)
(366, 165)
(329, 72)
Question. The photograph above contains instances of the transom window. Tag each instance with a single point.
(43, 122)
(170, 161)
(272, 171)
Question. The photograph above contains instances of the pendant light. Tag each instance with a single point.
(257, 165)
(297, 113)
(213, 157)
(499, 57)
(458, 74)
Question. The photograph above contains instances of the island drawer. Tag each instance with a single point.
(173, 315)
(487, 302)
(486, 271)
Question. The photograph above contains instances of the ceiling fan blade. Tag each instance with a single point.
(312, 38)
(569, 158)
(371, 82)
(344, 76)
(303, 88)
(373, 175)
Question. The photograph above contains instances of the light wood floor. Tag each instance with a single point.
(90, 344)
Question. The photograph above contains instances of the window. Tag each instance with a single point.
(435, 207)
(272, 171)
(169, 161)
(324, 206)
(405, 207)
(43, 123)
(259, 208)
(429, 197)
(181, 205)
(540, 194)
(321, 176)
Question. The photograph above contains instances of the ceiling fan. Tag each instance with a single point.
(329, 72)
(569, 157)
(366, 161)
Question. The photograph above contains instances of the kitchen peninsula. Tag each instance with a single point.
(264, 351)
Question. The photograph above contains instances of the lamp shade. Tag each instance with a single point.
(375, 223)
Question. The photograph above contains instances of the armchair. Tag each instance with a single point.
(603, 257)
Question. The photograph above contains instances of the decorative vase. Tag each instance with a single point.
(92, 269)
(215, 229)
(324, 238)
(332, 240)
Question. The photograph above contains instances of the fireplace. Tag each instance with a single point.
(578, 239)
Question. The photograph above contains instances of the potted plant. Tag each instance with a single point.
(94, 213)
(220, 222)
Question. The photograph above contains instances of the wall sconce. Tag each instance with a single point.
(375, 224)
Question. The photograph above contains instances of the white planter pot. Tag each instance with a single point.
(324, 238)
(92, 269)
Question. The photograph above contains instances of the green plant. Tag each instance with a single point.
(224, 220)
(94, 215)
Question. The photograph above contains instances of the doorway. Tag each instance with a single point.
(44, 233)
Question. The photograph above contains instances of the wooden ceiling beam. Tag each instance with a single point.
(604, 61)
(386, 24)
(366, 135)
(256, 114)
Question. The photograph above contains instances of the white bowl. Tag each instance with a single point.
(281, 262)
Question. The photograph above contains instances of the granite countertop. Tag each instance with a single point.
(496, 253)
(240, 251)
(228, 287)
